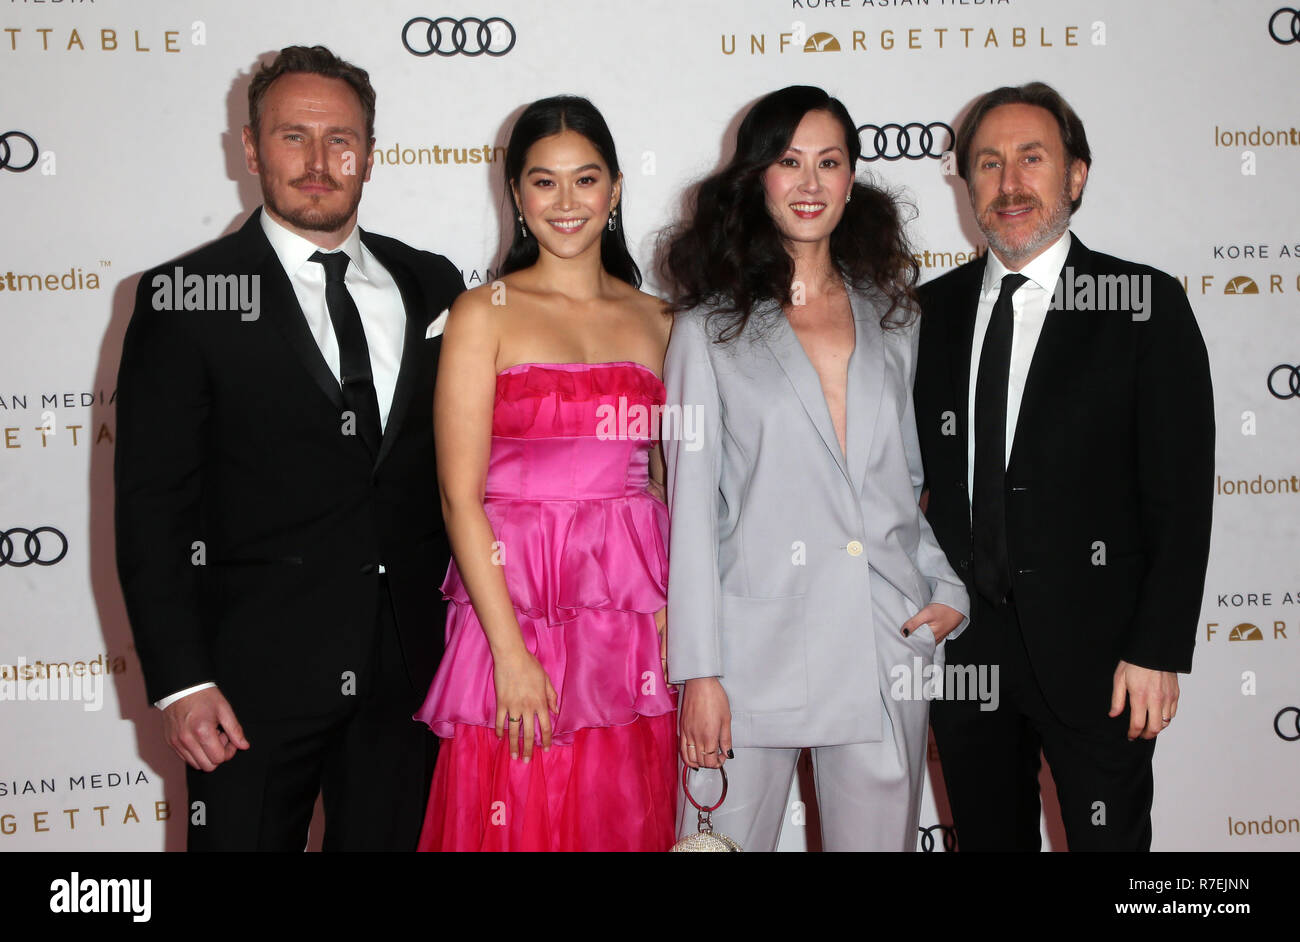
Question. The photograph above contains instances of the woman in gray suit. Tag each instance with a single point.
(806, 591)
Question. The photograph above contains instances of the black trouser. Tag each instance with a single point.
(991, 758)
(370, 761)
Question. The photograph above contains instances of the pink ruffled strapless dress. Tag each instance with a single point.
(584, 550)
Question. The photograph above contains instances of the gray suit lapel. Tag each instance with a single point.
(865, 382)
(862, 395)
(781, 340)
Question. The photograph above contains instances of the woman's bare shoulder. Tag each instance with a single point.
(654, 310)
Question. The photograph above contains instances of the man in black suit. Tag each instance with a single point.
(1064, 408)
(279, 534)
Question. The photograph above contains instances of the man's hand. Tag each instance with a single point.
(201, 728)
(941, 619)
(1152, 699)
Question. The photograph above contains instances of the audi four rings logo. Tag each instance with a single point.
(913, 140)
(20, 547)
(18, 152)
(1282, 30)
(447, 36)
(1293, 733)
(948, 835)
(1291, 385)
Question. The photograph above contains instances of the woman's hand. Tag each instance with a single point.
(524, 693)
(705, 723)
(939, 617)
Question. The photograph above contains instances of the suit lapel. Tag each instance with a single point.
(1052, 352)
(866, 380)
(280, 305)
(418, 318)
(965, 303)
(785, 346)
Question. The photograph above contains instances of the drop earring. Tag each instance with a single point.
(522, 228)
(613, 224)
(848, 196)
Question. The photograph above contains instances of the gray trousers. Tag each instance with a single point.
(868, 793)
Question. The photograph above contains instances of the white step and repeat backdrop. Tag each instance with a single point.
(119, 148)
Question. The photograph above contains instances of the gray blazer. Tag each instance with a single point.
(787, 563)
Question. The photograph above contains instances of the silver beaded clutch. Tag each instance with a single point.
(706, 841)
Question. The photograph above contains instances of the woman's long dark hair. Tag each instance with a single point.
(730, 256)
(545, 118)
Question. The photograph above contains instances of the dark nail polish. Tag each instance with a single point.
(731, 754)
(906, 632)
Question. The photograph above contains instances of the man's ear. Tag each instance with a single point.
(250, 150)
(370, 160)
(1078, 177)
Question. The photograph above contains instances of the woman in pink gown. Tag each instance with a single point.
(558, 728)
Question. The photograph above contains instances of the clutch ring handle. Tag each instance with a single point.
(691, 798)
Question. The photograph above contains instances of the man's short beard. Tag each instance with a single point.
(310, 219)
(1048, 231)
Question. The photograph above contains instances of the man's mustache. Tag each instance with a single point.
(316, 180)
(1008, 200)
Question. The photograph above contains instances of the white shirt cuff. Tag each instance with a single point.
(165, 702)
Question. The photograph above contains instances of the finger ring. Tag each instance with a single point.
(1165, 718)
(514, 719)
(690, 745)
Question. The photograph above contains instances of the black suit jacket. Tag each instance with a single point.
(1113, 453)
(249, 527)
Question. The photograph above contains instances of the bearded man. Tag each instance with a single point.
(279, 536)
(1066, 420)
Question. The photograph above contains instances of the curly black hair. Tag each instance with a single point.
(729, 255)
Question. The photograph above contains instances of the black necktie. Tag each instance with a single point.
(354, 355)
(989, 498)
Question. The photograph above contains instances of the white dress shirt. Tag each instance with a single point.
(1028, 312)
(383, 317)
